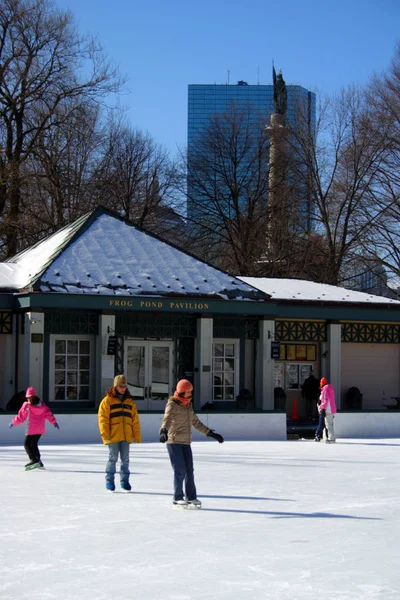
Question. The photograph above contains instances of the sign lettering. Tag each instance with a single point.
(160, 304)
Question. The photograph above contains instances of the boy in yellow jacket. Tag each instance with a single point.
(119, 425)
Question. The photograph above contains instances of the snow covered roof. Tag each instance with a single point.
(12, 276)
(100, 253)
(301, 290)
(24, 268)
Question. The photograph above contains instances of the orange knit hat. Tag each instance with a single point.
(323, 382)
(183, 386)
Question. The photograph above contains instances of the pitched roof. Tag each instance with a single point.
(101, 253)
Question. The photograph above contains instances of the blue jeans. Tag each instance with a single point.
(115, 449)
(181, 458)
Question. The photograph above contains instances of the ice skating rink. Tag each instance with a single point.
(288, 520)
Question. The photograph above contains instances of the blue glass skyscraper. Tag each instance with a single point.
(208, 100)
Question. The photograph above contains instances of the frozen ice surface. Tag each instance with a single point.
(280, 520)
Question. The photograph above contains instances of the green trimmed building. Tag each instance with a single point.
(101, 297)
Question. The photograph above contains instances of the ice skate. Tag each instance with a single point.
(32, 465)
(195, 503)
(180, 503)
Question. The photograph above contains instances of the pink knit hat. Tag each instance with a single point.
(30, 392)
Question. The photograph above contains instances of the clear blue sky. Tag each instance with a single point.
(162, 46)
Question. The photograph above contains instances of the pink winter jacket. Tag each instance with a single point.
(327, 398)
(35, 417)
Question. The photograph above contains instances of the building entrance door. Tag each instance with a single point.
(148, 368)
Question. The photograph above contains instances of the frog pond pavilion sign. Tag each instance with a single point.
(159, 304)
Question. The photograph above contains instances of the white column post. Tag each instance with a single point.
(265, 366)
(33, 352)
(335, 359)
(203, 361)
(7, 364)
(107, 328)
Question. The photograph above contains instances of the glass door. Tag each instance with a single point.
(148, 368)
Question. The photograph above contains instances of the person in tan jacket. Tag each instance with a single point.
(119, 426)
(176, 432)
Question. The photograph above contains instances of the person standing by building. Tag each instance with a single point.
(16, 402)
(310, 391)
(327, 410)
(119, 426)
(176, 432)
(35, 413)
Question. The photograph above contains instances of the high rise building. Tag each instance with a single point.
(208, 100)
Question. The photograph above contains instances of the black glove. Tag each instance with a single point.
(163, 435)
(323, 412)
(215, 436)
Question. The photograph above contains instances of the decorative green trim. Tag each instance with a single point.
(226, 327)
(290, 311)
(371, 333)
(330, 312)
(144, 304)
(6, 301)
(5, 322)
(71, 323)
(300, 331)
(158, 326)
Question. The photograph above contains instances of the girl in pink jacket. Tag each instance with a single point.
(33, 413)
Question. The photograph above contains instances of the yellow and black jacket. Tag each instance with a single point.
(119, 419)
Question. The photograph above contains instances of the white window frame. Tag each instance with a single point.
(52, 385)
(236, 358)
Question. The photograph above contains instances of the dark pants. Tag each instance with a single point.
(311, 408)
(181, 458)
(31, 446)
(321, 427)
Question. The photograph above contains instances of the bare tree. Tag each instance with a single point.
(135, 177)
(328, 202)
(62, 168)
(343, 165)
(44, 64)
(227, 188)
(383, 96)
